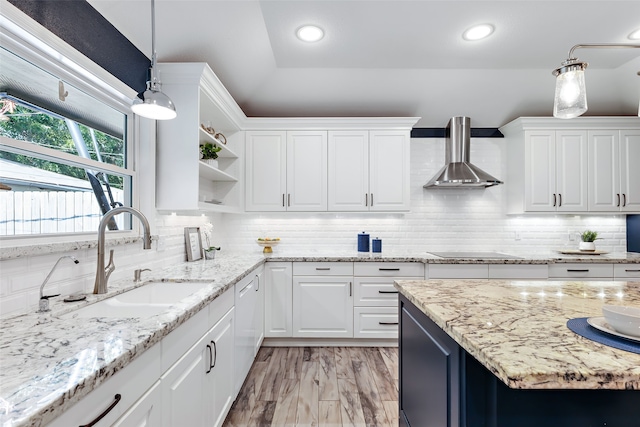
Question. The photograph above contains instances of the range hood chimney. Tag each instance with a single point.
(458, 172)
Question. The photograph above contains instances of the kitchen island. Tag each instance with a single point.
(499, 353)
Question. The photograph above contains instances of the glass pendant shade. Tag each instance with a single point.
(571, 96)
(154, 105)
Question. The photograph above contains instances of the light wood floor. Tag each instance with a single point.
(319, 386)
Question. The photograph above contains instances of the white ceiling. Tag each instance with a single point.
(394, 58)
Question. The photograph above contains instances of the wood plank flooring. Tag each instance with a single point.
(319, 387)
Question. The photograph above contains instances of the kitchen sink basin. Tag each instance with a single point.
(474, 255)
(148, 300)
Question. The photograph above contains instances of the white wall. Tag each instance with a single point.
(439, 219)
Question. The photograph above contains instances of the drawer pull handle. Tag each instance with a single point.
(387, 292)
(210, 358)
(624, 200)
(570, 270)
(106, 411)
(323, 268)
(632, 271)
(387, 323)
(215, 353)
(350, 289)
(389, 269)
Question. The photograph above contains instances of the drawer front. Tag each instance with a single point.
(581, 271)
(375, 292)
(518, 271)
(626, 271)
(323, 269)
(375, 322)
(389, 269)
(458, 271)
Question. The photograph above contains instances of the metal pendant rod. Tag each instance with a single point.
(601, 46)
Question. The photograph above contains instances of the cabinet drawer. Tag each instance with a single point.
(580, 271)
(375, 322)
(375, 291)
(389, 269)
(323, 269)
(518, 271)
(458, 271)
(626, 271)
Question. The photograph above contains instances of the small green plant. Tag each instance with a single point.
(209, 151)
(589, 236)
(212, 248)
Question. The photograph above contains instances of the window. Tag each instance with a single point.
(64, 157)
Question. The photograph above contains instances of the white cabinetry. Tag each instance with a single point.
(286, 171)
(582, 271)
(183, 183)
(259, 317)
(278, 299)
(580, 165)
(323, 302)
(369, 171)
(614, 180)
(146, 412)
(375, 312)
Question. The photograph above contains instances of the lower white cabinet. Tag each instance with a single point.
(582, 271)
(277, 300)
(198, 389)
(323, 306)
(259, 316)
(626, 271)
(146, 412)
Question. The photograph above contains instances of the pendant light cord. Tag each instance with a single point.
(153, 78)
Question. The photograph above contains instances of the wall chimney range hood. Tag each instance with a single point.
(458, 172)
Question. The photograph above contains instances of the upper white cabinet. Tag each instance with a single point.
(183, 182)
(286, 171)
(369, 170)
(614, 181)
(573, 166)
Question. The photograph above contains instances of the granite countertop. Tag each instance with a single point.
(49, 363)
(517, 329)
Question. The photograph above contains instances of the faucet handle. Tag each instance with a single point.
(137, 274)
(44, 303)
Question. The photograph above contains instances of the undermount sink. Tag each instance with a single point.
(151, 299)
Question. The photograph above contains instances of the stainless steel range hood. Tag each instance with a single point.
(458, 172)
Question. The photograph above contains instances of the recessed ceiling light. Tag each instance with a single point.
(478, 32)
(635, 35)
(310, 33)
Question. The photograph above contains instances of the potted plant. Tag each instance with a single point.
(209, 153)
(209, 251)
(588, 238)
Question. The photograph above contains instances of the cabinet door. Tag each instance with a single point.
(146, 412)
(540, 171)
(323, 306)
(266, 172)
(389, 171)
(629, 170)
(307, 171)
(604, 171)
(220, 380)
(245, 307)
(571, 171)
(277, 295)
(348, 179)
(184, 390)
(259, 307)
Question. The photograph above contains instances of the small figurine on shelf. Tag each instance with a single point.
(209, 154)
(209, 251)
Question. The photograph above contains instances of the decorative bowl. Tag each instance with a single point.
(267, 244)
(625, 320)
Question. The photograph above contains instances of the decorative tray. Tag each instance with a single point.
(579, 252)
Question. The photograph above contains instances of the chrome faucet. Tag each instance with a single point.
(137, 274)
(102, 272)
(44, 300)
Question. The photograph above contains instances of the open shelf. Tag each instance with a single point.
(225, 152)
(214, 174)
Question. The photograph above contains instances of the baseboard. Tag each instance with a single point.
(329, 342)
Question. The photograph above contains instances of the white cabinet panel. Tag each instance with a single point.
(604, 171)
(259, 316)
(307, 171)
(266, 159)
(389, 170)
(375, 322)
(323, 269)
(571, 171)
(389, 269)
(375, 291)
(348, 178)
(518, 271)
(278, 299)
(458, 271)
(146, 412)
(626, 271)
(220, 380)
(630, 170)
(540, 171)
(583, 271)
(323, 306)
(245, 306)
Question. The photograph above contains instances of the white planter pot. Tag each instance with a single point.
(212, 162)
(587, 246)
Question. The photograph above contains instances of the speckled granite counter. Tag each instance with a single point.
(517, 329)
(48, 364)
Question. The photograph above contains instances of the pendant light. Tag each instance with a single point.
(571, 93)
(153, 103)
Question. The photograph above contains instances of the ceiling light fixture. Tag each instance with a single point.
(153, 103)
(310, 33)
(634, 35)
(478, 32)
(571, 95)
